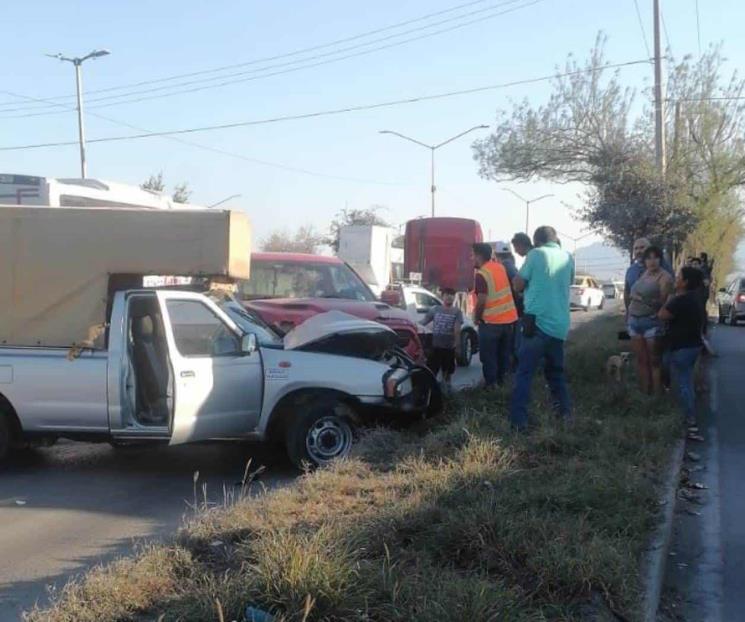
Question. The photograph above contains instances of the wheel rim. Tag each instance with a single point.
(467, 350)
(328, 439)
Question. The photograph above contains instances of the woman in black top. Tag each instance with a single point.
(685, 323)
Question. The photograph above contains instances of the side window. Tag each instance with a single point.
(425, 301)
(197, 331)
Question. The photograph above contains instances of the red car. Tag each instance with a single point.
(286, 289)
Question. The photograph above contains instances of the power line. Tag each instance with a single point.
(231, 154)
(667, 35)
(641, 26)
(268, 58)
(336, 111)
(486, 13)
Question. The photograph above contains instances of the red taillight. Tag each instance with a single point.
(741, 298)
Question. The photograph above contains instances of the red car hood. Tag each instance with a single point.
(296, 310)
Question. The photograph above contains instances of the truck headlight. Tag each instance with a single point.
(396, 383)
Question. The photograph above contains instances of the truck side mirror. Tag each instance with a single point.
(391, 297)
(248, 344)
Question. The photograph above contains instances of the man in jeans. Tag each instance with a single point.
(545, 277)
(495, 315)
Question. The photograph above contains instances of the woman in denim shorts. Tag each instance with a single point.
(648, 295)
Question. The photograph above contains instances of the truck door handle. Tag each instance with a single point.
(188, 374)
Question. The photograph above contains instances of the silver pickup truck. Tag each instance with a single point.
(182, 367)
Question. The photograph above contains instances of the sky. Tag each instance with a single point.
(343, 159)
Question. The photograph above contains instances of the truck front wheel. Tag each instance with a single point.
(321, 434)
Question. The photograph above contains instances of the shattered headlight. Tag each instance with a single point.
(397, 382)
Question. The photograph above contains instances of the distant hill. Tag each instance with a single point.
(603, 261)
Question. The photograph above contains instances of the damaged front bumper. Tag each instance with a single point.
(410, 389)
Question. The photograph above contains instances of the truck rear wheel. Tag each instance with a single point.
(321, 434)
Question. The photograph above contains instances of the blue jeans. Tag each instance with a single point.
(539, 347)
(494, 350)
(682, 365)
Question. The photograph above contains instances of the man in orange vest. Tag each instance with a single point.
(495, 315)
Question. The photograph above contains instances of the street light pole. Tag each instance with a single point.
(77, 62)
(432, 149)
(527, 205)
(81, 130)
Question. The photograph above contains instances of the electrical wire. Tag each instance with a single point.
(276, 165)
(667, 35)
(201, 84)
(641, 26)
(267, 58)
(335, 111)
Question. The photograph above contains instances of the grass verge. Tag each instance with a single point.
(456, 518)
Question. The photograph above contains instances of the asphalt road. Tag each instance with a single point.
(68, 507)
(65, 508)
(706, 568)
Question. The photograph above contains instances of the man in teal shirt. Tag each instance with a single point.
(545, 277)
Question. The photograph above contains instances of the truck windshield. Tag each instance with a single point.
(293, 279)
(251, 323)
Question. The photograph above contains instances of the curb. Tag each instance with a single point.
(655, 558)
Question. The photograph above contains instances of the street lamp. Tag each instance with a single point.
(527, 205)
(225, 200)
(575, 240)
(78, 61)
(432, 149)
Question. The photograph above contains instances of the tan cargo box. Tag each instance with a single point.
(55, 262)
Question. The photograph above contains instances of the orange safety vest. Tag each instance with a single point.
(500, 306)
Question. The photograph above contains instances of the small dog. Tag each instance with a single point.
(615, 365)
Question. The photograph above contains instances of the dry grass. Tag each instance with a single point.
(456, 518)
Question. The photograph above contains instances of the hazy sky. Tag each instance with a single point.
(153, 40)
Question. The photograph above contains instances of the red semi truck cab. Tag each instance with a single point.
(285, 289)
(440, 250)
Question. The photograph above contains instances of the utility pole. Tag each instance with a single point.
(432, 149)
(78, 61)
(659, 102)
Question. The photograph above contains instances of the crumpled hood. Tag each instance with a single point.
(336, 323)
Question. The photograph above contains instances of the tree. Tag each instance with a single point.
(630, 200)
(587, 133)
(345, 217)
(304, 240)
(156, 183)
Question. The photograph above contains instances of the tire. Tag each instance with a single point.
(466, 349)
(732, 317)
(320, 435)
(602, 303)
(722, 317)
(6, 436)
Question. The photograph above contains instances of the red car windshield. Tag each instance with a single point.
(294, 279)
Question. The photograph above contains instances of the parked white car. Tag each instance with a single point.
(417, 301)
(586, 293)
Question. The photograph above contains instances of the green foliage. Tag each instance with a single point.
(587, 132)
(156, 183)
(304, 240)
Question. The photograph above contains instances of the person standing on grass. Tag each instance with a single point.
(446, 321)
(683, 314)
(637, 268)
(646, 297)
(545, 277)
(494, 314)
